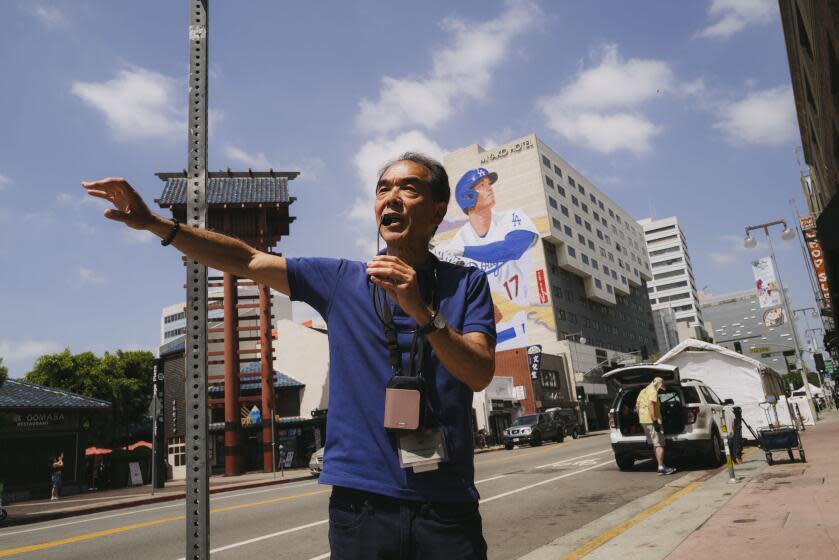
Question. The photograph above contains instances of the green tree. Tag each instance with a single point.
(4, 372)
(795, 379)
(123, 378)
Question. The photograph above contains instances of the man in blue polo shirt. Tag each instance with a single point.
(385, 503)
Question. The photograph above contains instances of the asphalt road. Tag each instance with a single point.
(530, 496)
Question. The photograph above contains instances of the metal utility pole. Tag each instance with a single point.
(197, 457)
(786, 234)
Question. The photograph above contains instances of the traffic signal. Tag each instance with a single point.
(581, 393)
(819, 359)
(738, 347)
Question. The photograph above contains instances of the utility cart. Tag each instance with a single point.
(783, 438)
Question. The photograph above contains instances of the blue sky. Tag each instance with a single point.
(671, 108)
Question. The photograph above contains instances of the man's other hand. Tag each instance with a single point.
(129, 207)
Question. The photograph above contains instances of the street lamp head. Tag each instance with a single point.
(787, 234)
(582, 340)
(749, 242)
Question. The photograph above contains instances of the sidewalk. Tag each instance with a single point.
(788, 510)
(93, 502)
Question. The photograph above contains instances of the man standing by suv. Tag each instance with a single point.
(648, 406)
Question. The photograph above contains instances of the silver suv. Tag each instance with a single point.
(533, 429)
(691, 412)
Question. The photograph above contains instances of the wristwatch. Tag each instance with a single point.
(437, 323)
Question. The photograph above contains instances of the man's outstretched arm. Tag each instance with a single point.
(212, 249)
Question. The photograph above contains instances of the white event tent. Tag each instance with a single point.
(732, 376)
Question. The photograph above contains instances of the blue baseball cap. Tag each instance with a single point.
(465, 196)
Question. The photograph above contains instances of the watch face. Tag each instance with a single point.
(439, 321)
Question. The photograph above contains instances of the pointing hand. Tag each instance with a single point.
(129, 207)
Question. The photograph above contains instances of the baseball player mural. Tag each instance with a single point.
(500, 243)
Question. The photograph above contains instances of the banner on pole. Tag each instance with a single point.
(768, 291)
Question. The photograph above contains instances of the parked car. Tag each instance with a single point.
(691, 413)
(316, 462)
(567, 417)
(533, 429)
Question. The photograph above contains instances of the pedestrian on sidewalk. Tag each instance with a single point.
(391, 311)
(648, 406)
(56, 464)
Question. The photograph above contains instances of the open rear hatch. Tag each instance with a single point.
(640, 375)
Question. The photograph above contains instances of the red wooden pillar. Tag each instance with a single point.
(232, 422)
(267, 360)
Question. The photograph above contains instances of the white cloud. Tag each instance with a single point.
(731, 16)
(310, 168)
(251, 161)
(89, 277)
(137, 104)
(600, 108)
(66, 199)
(460, 73)
(50, 16)
(20, 350)
(722, 258)
(138, 236)
(4, 181)
(763, 117)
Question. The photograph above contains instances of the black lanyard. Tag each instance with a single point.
(417, 355)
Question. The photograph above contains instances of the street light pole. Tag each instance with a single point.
(786, 234)
(799, 360)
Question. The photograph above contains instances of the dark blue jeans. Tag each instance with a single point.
(366, 526)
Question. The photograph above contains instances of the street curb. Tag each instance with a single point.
(38, 518)
(571, 542)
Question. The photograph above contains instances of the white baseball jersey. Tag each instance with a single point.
(507, 278)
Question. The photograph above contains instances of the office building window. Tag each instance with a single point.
(571, 181)
(549, 181)
(591, 244)
(594, 263)
(582, 190)
(596, 216)
(556, 224)
(598, 283)
(599, 235)
(572, 253)
(581, 239)
(591, 197)
(584, 207)
(568, 232)
(578, 219)
(574, 201)
(600, 205)
(552, 202)
(609, 288)
(563, 209)
(546, 161)
(588, 226)
(584, 258)
(611, 214)
(560, 190)
(557, 170)
(614, 274)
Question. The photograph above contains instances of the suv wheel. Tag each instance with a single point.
(508, 445)
(536, 439)
(625, 462)
(576, 433)
(560, 435)
(717, 455)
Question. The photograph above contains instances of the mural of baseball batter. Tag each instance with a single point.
(499, 243)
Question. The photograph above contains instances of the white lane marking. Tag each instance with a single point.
(490, 478)
(263, 537)
(523, 488)
(322, 556)
(485, 500)
(178, 503)
(573, 459)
